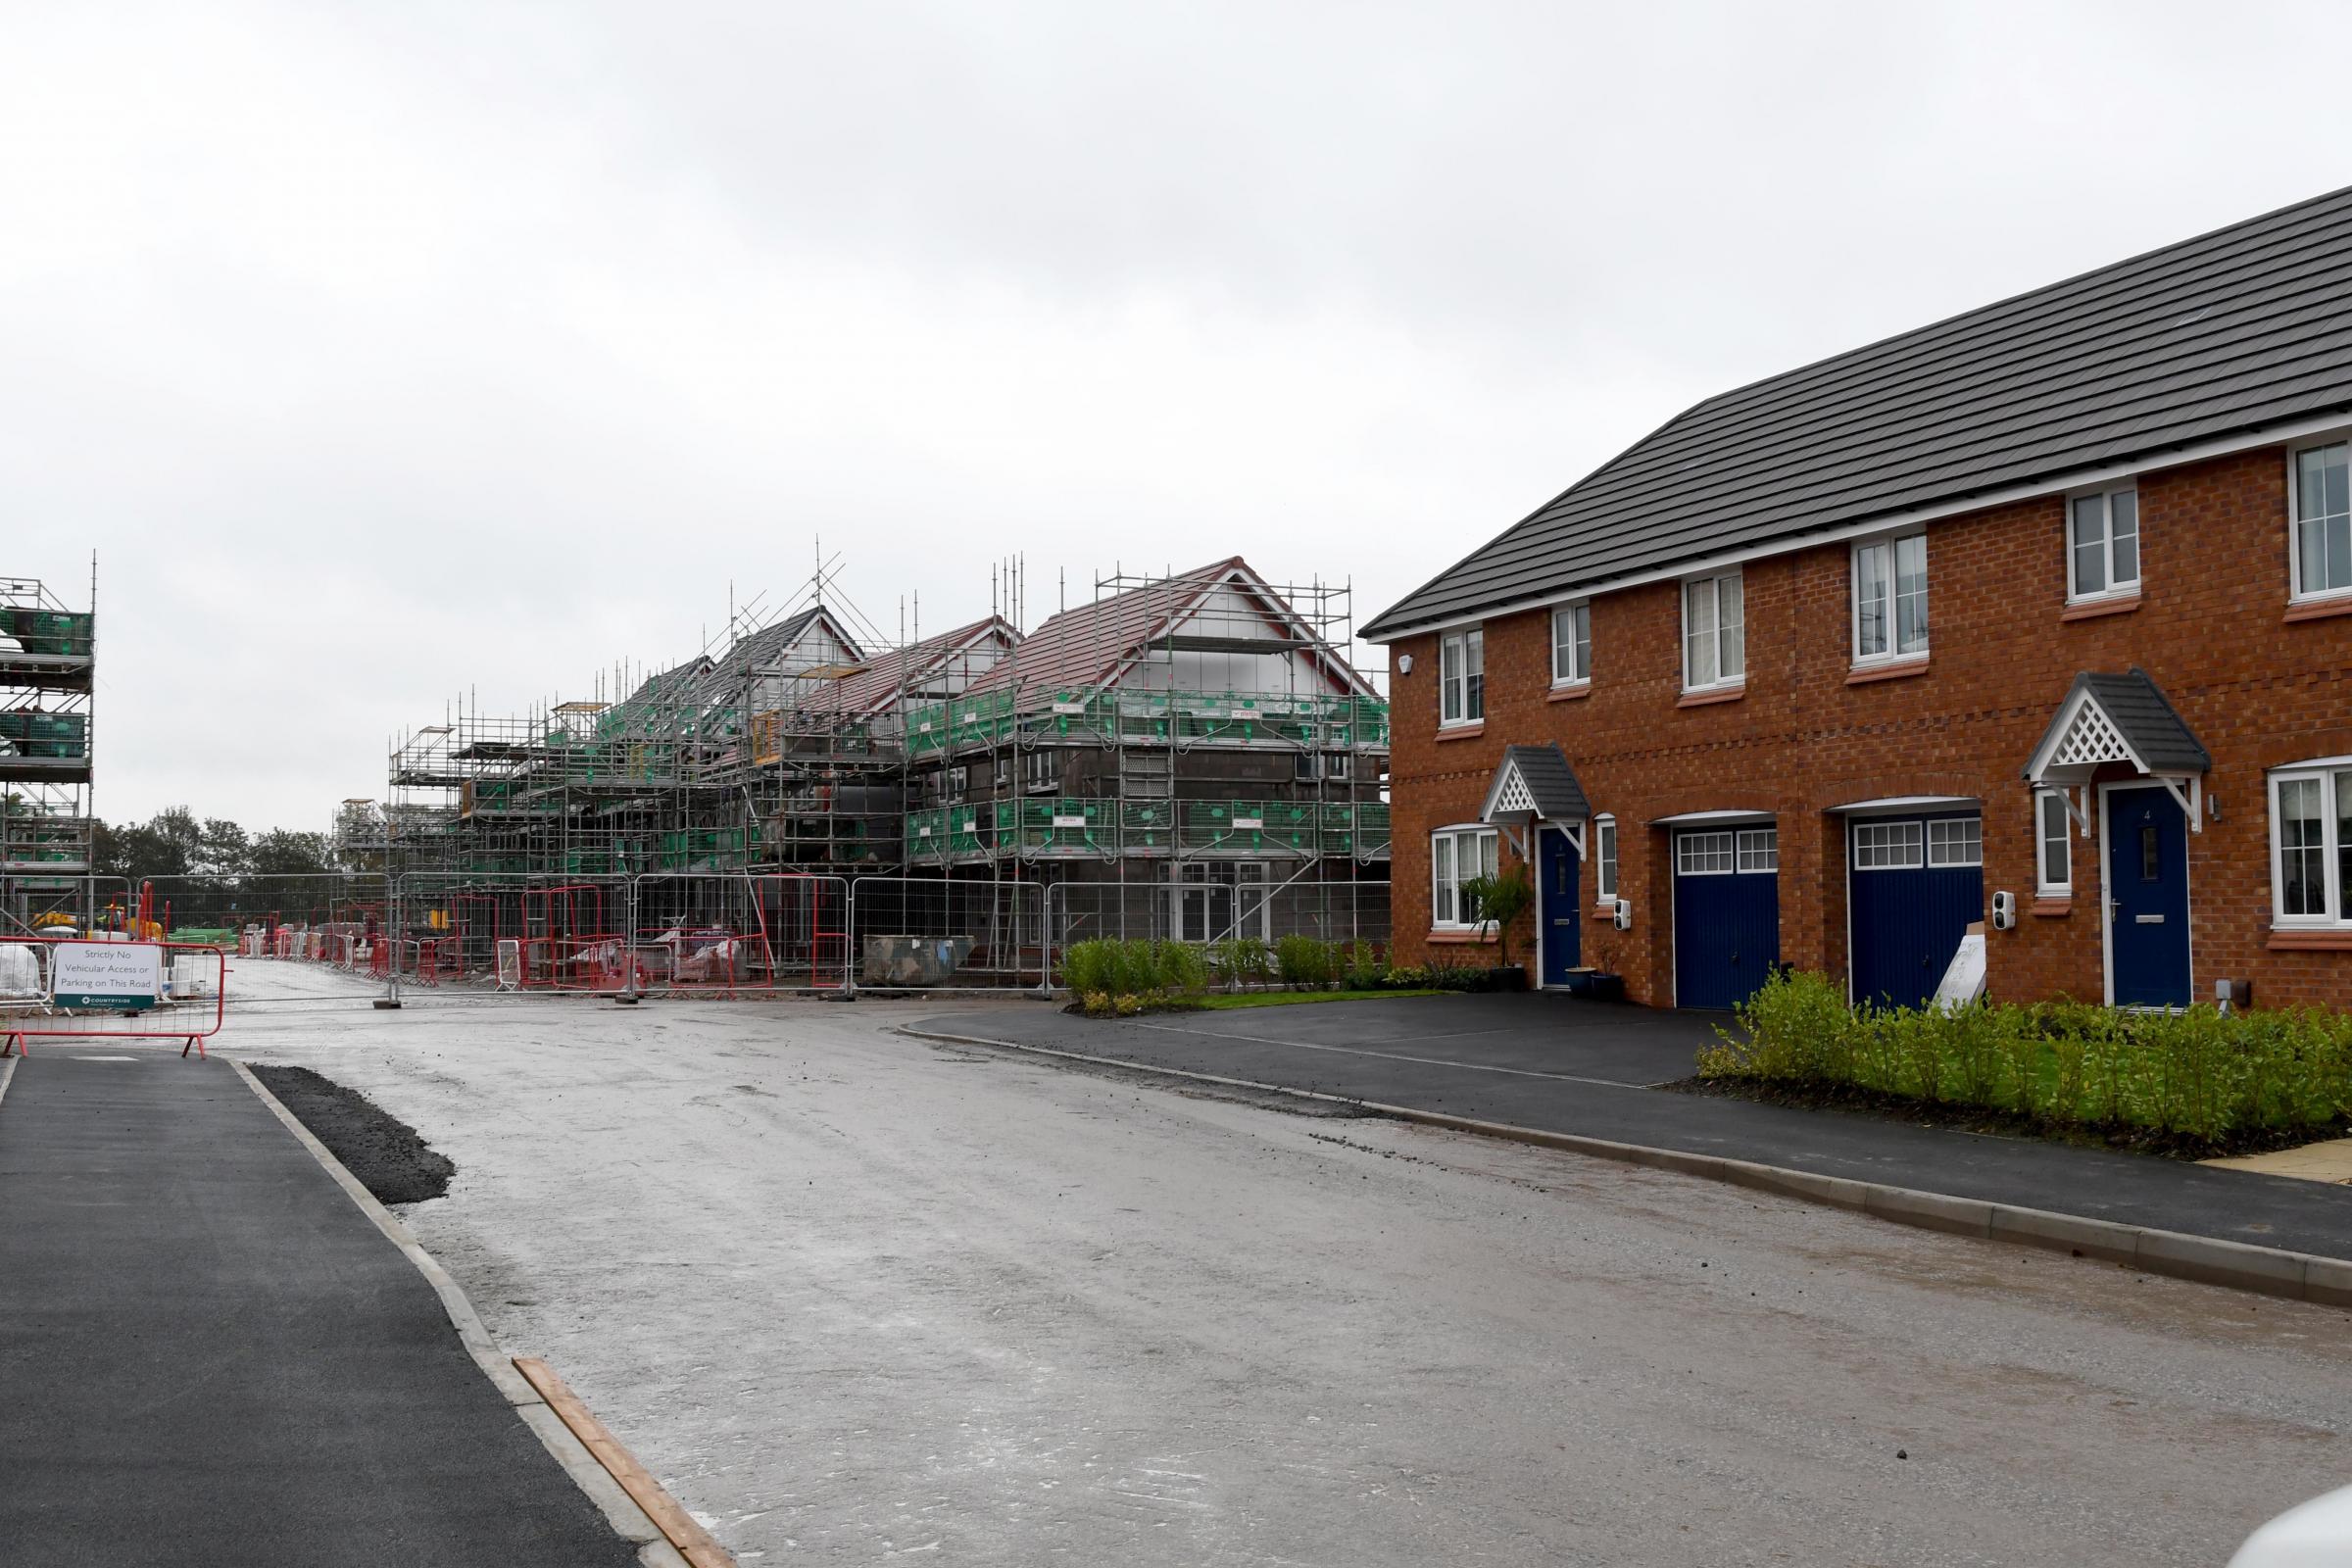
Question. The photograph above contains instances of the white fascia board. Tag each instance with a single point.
(2080, 478)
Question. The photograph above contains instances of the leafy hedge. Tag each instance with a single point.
(1114, 978)
(2199, 1073)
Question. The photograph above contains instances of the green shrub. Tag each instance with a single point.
(1306, 963)
(2198, 1074)
(1243, 960)
(1364, 966)
(1146, 973)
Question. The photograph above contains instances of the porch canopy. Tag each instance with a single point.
(1534, 784)
(2119, 718)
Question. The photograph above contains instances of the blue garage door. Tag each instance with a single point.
(1727, 913)
(1915, 885)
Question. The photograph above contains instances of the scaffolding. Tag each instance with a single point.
(775, 749)
(48, 826)
(1188, 754)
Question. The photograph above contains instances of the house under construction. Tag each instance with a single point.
(48, 682)
(1189, 754)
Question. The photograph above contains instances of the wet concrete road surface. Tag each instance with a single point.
(854, 1298)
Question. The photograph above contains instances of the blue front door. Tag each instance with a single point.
(2147, 897)
(1727, 913)
(1555, 904)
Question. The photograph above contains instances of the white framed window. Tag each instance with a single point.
(1891, 600)
(1338, 767)
(2053, 853)
(1704, 854)
(1760, 849)
(2102, 545)
(2311, 844)
(1041, 771)
(1462, 677)
(1604, 858)
(1004, 769)
(1572, 644)
(1455, 856)
(2320, 500)
(1887, 846)
(1956, 841)
(1714, 632)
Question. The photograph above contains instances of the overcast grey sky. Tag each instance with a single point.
(387, 351)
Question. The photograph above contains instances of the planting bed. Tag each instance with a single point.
(2127, 1136)
(383, 1151)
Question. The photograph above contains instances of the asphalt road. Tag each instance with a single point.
(211, 1359)
(1563, 1065)
(854, 1298)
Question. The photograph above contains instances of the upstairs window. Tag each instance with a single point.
(2102, 545)
(1462, 677)
(1041, 771)
(1338, 767)
(1572, 644)
(2321, 506)
(1890, 598)
(1714, 632)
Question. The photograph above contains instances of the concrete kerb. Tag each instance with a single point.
(621, 1510)
(2270, 1271)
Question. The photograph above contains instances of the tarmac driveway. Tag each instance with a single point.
(1539, 1035)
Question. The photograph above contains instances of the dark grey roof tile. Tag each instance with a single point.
(2247, 326)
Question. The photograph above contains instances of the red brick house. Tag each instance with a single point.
(2040, 616)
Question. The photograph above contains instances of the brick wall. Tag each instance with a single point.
(2210, 627)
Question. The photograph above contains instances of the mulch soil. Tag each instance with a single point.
(1850, 1100)
(387, 1155)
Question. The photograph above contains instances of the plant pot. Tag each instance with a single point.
(1506, 977)
(1603, 988)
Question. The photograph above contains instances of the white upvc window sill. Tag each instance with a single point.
(1460, 723)
(1713, 686)
(1585, 684)
(2325, 596)
(2107, 595)
(1916, 656)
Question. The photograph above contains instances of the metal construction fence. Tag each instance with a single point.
(79, 988)
(686, 933)
(1218, 902)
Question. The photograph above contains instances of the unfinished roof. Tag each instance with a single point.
(763, 656)
(1092, 643)
(918, 663)
(669, 684)
(2227, 333)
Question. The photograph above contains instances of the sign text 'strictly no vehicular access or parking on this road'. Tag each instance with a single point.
(106, 974)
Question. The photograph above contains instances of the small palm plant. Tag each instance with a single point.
(1499, 899)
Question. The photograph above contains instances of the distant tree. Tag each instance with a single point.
(137, 850)
(283, 851)
(224, 850)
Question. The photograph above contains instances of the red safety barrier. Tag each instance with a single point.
(84, 989)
